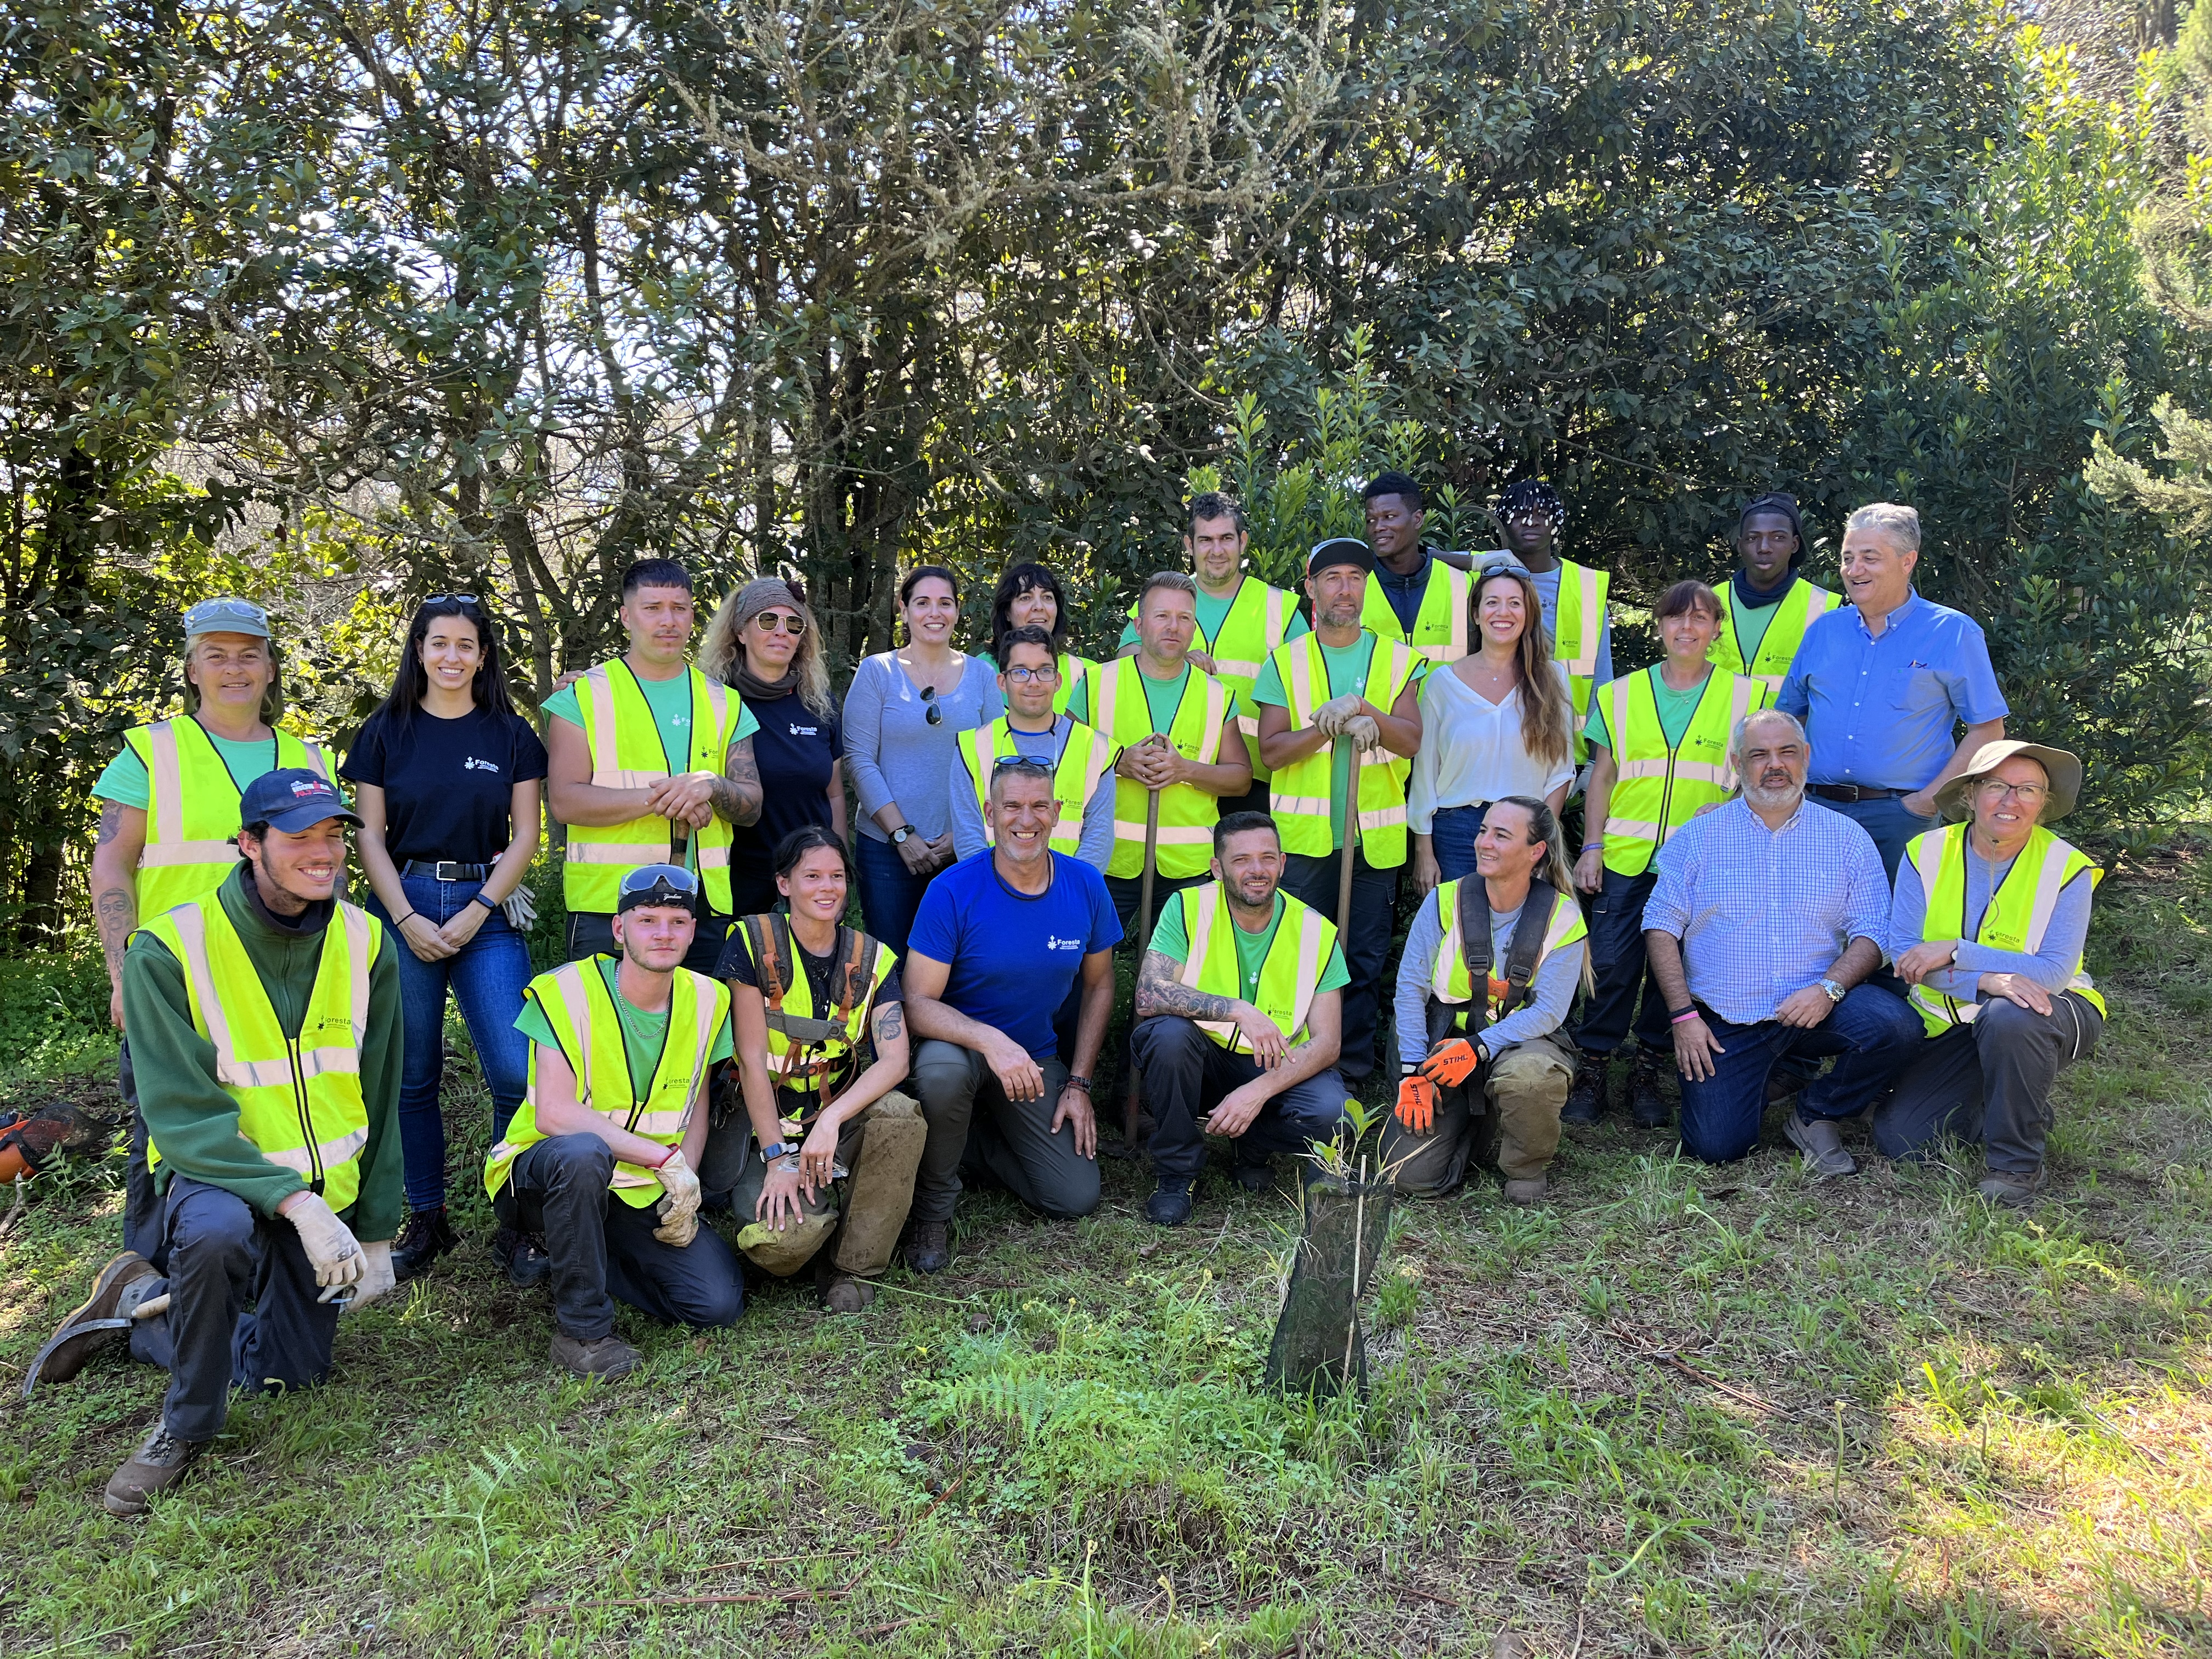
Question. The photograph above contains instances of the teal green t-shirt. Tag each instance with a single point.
(125, 781)
(1171, 942)
(1211, 613)
(1161, 698)
(1348, 672)
(1675, 710)
(643, 1034)
(671, 702)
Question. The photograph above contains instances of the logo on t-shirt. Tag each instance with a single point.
(1053, 944)
(472, 764)
(805, 731)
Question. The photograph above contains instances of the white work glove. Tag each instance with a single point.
(1362, 732)
(520, 909)
(330, 1244)
(679, 1209)
(1330, 717)
(376, 1277)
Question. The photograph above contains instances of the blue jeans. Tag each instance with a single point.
(1451, 839)
(891, 894)
(1871, 1033)
(1887, 821)
(487, 977)
(1615, 915)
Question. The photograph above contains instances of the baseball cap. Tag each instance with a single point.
(227, 617)
(292, 798)
(656, 884)
(1339, 549)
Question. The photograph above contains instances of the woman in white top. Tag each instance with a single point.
(1498, 722)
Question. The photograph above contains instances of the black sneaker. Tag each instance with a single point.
(929, 1246)
(1168, 1206)
(1586, 1100)
(426, 1237)
(527, 1261)
(1255, 1177)
(1645, 1104)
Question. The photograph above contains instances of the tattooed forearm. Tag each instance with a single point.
(1159, 992)
(117, 910)
(737, 793)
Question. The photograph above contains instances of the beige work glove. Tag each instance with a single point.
(376, 1277)
(521, 909)
(1362, 732)
(332, 1250)
(679, 1209)
(1330, 717)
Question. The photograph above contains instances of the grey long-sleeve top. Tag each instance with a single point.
(894, 753)
(1096, 845)
(2052, 967)
(1550, 993)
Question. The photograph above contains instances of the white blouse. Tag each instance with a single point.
(1471, 750)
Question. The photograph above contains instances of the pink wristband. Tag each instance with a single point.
(1686, 1014)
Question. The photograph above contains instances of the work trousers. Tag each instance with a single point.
(973, 1125)
(592, 934)
(1870, 1033)
(1186, 1074)
(142, 1203)
(603, 1250)
(1621, 969)
(859, 1218)
(225, 1258)
(1524, 1087)
(1989, 1081)
(1366, 941)
(1125, 891)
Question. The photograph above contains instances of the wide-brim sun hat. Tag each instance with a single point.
(1956, 800)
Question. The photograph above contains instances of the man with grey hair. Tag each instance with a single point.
(1766, 921)
(1883, 683)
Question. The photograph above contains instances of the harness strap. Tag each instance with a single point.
(1521, 953)
(770, 938)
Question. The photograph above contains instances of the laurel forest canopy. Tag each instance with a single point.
(339, 303)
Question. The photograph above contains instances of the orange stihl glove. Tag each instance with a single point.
(1416, 1102)
(1451, 1062)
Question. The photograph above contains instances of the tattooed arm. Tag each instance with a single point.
(115, 889)
(888, 1027)
(1162, 994)
(737, 793)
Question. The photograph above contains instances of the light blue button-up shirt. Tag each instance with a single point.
(1762, 913)
(1885, 712)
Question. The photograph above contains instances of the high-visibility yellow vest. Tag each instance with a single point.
(1577, 631)
(859, 966)
(2018, 915)
(1303, 790)
(578, 1005)
(1119, 709)
(1447, 976)
(1439, 631)
(191, 807)
(1083, 761)
(1797, 610)
(1289, 974)
(1073, 668)
(1257, 623)
(627, 754)
(1660, 789)
(299, 1098)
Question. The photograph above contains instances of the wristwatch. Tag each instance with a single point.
(770, 1153)
(900, 835)
(1835, 991)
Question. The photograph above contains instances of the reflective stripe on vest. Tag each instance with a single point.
(1289, 974)
(1303, 798)
(625, 740)
(1577, 631)
(1439, 630)
(1083, 761)
(578, 1005)
(1794, 612)
(299, 1098)
(1448, 978)
(192, 808)
(1121, 711)
(2019, 912)
(1071, 670)
(1659, 789)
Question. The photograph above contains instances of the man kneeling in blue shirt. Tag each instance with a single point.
(1768, 914)
(1000, 940)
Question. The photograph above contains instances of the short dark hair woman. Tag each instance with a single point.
(447, 776)
(1029, 595)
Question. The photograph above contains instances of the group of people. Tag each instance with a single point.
(1233, 798)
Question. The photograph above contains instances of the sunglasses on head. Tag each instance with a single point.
(451, 599)
(646, 877)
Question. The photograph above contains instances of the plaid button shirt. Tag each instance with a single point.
(1762, 913)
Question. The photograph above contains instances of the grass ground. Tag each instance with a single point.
(1680, 1410)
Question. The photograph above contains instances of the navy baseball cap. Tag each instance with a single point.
(292, 798)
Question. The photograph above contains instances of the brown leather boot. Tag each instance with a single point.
(158, 1464)
(928, 1250)
(603, 1359)
(98, 1320)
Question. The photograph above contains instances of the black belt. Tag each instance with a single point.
(445, 870)
(1848, 792)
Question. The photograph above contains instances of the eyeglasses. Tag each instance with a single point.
(770, 621)
(2027, 794)
(1023, 676)
(932, 713)
(646, 877)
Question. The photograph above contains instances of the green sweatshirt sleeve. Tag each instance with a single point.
(376, 1212)
(192, 1121)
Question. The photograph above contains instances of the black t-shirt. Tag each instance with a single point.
(449, 785)
(794, 750)
(737, 963)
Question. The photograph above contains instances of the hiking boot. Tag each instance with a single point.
(1586, 1100)
(528, 1262)
(602, 1359)
(928, 1250)
(1530, 1191)
(1255, 1177)
(88, 1328)
(844, 1294)
(158, 1464)
(1170, 1204)
(1646, 1105)
(2012, 1188)
(425, 1235)
(1822, 1144)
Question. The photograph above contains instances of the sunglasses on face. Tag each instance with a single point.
(770, 620)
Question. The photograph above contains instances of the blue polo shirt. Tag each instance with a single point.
(1885, 712)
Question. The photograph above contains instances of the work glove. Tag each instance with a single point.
(1451, 1062)
(679, 1209)
(1416, 1102)
(521, 909)
(1330, 717)
(376, 1277)
(334, 1252)
(1362, 732)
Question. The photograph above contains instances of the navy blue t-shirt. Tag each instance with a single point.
(1014, 957)
(449, 785)
(794, 750)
